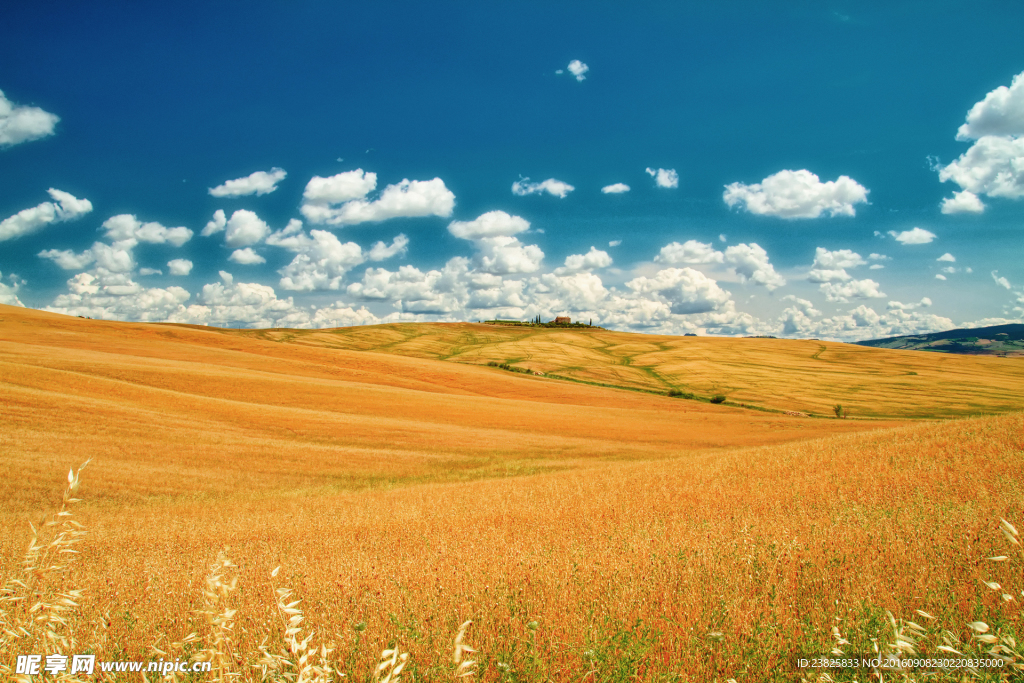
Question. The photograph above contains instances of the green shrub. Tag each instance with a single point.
(718, 398)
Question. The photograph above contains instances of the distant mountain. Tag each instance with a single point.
(998, 340)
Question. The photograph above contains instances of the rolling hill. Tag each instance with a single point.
(998, 340)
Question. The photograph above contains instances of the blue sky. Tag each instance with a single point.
(843, 170)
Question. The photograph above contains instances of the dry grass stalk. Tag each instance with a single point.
(463, 667)
(33, 610)
(221, 582)
(299, 661)
(392, 661)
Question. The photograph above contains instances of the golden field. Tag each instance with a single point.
(590, 533)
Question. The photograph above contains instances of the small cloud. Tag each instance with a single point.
(215, 225)
(617, 188)
(947, 257)
(258, 183)
(150, 271)
(180, 266)
(797, 194)
(914, 236)
(381, 251)
(19, 123)
(962, 202)
(245, 228)
(64, 207)
(578, 69)
(939, 277)
(722, 238)
(246, 257)
(999, 280)
(878, 257)
(664, 177)
(554, 187)
(875, 266)
(614, 243)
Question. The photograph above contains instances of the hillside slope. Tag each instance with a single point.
(779, 374)
(998, 340)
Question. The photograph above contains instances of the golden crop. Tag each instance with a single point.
(589, 534)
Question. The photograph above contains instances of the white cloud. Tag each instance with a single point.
(67, 259)
(689, 252)
(797, 194)
(962, 202)
(407, 199)
(993, 166)
(876, 266)
(853, 289)
(554, 187)
(244, 229)
(150, 271)
(258, 183)
(127, 227)
(595, 258)
(108, 295)
(614, 243)
(503, 255)
(113, 258)
(686, 290)
(339, 188)
(216, 224)
(411, 290)
(179, 267)
(664, 177)
(914, 236)
(9, 293)
(750, 262)
(246, 303)
(940, 277)
(321, 260)
(1000, 280)
(65, 207)
(19, 123)
(617, 188)
(798, 319)
(1000, 113)
(490, 224)
(578, 69)
(830, 266)
(246, 257)
(381, 251)
(947, 257)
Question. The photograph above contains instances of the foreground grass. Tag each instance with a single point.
(723, 565)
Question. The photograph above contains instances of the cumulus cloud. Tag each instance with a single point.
(798, 318)
(578, 69)
(664, 177)
(617, 188)
(340, 199)
(490, 224)
(246, 257)
(750, 262)
(939, 276)
(686, 290)
(67, 259)
(689, 252)
(914, 236)
(9, 293)
(947, 257)
(258, 183)
(614, 243)
(797, 194)
(1000, 113)
(64, 207)
(593, 259)
(962, 202)
(1000, 280)
(412, 290)
(503, 255)
(179, 267)
(110, 295)
(321, 259)
(245, 228)
(554, 187)
(150, 271)
(852, 289)
(993, 164)
(381, 251)
(113, 258)
(216, 224)
(19, 123)
(830, 266)
(127, 227)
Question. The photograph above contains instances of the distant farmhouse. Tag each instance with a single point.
(563, 320)
(559, 321)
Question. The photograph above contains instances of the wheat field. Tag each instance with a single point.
(587, 533)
